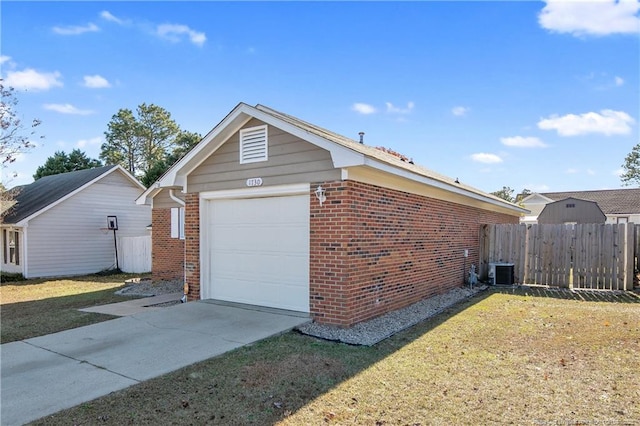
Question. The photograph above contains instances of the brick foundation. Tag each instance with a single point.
(167, 254)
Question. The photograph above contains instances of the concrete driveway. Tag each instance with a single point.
(44, 375)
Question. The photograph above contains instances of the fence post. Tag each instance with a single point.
(629, 259)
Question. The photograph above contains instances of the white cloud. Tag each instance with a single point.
(523, 142)
(67, 109)
(362, 108)
(95, 82)
(483, 157)
(76, 29)
(571, 171)
(82, 143)
(30, 79)
(607, 122)
(618, 172)
(107, 16)
(594, 17)
(602, 80)
(591, 172)
(173, 32)
(4, 58)
(397, 110)
(459, 111)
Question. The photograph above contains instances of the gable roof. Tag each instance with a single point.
(44, 193)
(345, 152)
(611, 201)
(367, 150)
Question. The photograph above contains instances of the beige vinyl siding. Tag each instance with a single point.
(162, 200)
(631, 218)
(535, 208)
(291, 160)
(67, 239)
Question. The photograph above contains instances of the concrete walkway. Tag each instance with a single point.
(44, 375)
(134, 306)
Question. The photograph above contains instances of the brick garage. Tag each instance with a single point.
(388, 234)
(374, 250)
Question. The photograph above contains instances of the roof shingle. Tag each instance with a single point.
(611, 201)
(32, 198)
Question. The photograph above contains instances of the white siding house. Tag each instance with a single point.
(58, 226)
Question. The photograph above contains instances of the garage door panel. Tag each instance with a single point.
(259, 251)
(286, 269)
(271, 294)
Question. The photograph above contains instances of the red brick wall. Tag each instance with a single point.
(192, 248)
(167, 254)
(374, 250)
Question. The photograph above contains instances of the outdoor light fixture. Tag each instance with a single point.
(321, 194)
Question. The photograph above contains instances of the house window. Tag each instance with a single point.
(622, 219)
(11, 243)
(177, 222)
(253, 145)
(571, 206)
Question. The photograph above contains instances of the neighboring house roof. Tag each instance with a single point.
(611, 201)
(345, 152)
(46, 192)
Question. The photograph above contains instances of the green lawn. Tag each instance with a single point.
(34, 308)
(496, 359)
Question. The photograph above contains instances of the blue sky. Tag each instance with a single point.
(543, 96)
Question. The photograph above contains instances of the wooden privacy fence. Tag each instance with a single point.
(586, 256)
(134, 254)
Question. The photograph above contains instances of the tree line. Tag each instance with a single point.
(145, 143)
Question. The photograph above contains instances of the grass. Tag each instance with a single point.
(500, 358)
(37, 307)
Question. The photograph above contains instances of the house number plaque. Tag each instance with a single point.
(254, 182)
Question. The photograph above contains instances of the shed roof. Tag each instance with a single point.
(37, 196)
(611, 201)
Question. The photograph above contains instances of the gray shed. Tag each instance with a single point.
(571, 210)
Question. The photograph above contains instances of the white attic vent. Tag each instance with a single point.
(253, 144)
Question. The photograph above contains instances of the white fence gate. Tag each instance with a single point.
(134, 254)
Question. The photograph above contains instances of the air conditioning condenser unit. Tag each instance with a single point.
(501, 273)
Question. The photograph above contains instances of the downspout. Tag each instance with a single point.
(185, 288)
(176, 199)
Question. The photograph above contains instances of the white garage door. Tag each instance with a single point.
(259, 251)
